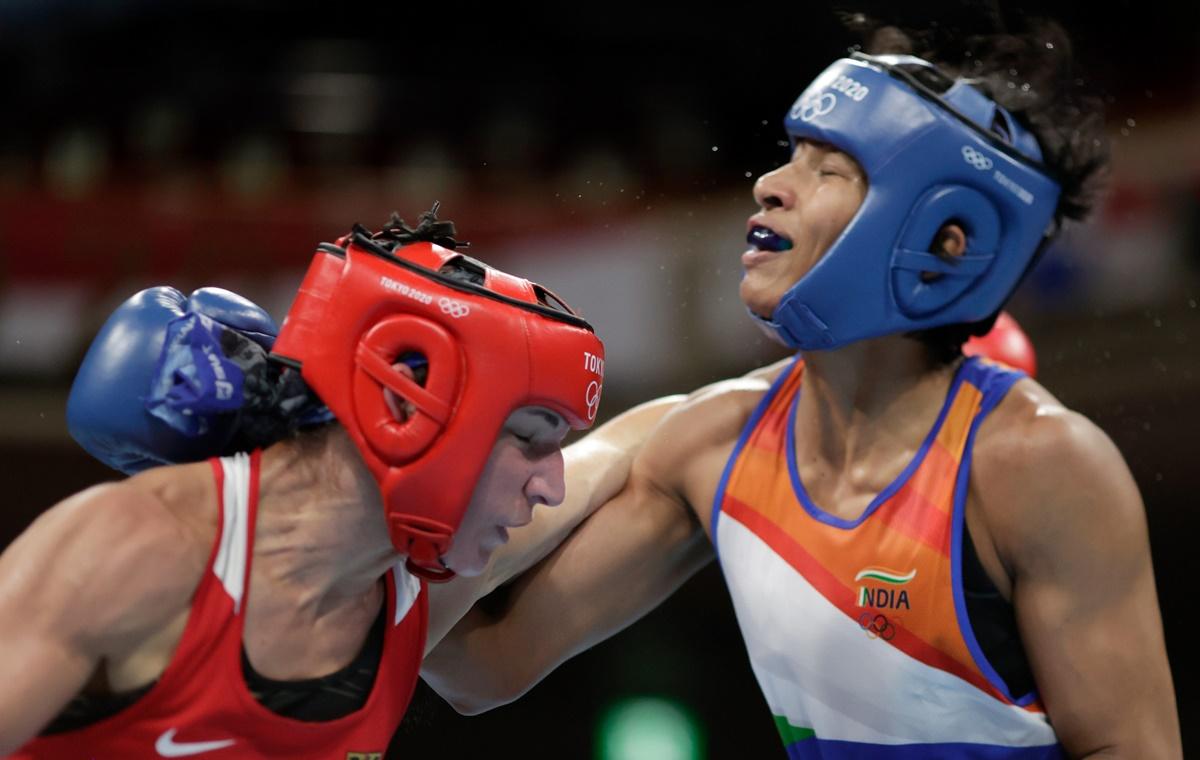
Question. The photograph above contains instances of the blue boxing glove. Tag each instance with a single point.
(232, 310)
(107, 410)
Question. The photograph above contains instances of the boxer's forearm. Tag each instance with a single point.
(596, 469)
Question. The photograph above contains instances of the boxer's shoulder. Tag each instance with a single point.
(712, 416)
(1041, 472)
(687, 451)
(117, 561)
(1028, 427)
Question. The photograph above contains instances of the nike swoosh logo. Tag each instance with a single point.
(166, 746)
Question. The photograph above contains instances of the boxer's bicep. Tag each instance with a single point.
(1084, 595)
(621, 563)
(95, 572)
(596, 469)
(43, 664)
(624, 560)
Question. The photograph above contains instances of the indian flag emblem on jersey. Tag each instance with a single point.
(888, 595)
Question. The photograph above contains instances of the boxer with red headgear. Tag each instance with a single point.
(272, 604)
(488, 342)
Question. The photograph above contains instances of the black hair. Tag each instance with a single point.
(429, 229)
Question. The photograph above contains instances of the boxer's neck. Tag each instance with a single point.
(863, 401)
(321, 536)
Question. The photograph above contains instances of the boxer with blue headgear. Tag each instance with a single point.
(930, 159)
(928, 554)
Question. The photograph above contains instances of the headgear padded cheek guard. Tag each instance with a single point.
(490, 348)
(929, 159)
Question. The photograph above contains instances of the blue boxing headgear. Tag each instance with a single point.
(930, 158)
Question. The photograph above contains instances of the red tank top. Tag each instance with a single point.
(201, 706)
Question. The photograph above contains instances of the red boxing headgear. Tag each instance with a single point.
(1006, 343)
(492, 346)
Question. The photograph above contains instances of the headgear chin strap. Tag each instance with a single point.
(930, 158)
(490, 348)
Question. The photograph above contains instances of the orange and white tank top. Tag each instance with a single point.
(857, 630)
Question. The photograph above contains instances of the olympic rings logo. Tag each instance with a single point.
(808, 109)
(456, 309)
(592, 398)
(877, 626)
(976, 159)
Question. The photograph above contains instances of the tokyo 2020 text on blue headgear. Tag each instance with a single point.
(929, 159)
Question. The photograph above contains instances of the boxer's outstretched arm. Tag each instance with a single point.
(629, 556)
(623, 562)
(93, 575)
(596, 469)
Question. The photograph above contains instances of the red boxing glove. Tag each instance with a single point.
(1007, 343)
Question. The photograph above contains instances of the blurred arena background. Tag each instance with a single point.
(608, 155)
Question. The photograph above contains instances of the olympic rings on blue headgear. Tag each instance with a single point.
(930, 158)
